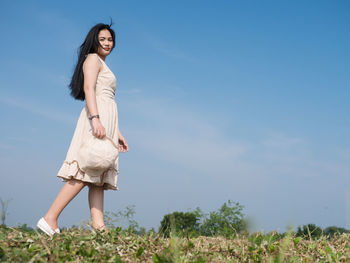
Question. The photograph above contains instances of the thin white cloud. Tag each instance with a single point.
(190, 140)
(28, 105)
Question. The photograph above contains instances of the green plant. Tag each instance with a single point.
(331, 231)
(116, 245)
(3, 211)
(227, 221)
(181, 223)
(124, 218)
(310, 231)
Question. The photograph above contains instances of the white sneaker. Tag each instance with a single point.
(44, 226)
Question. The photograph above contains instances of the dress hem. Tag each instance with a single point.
(71, 170)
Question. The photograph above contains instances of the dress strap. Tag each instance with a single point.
(103, 63)
(100, 58)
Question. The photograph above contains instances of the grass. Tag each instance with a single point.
(79, 244)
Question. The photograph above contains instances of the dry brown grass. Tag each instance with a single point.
(83, 245)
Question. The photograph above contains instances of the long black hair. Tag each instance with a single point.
(90, 45)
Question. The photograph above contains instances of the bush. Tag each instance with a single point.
(227, 221)
(309, 231)
(180, 223)
(124, 219)
(333, 230)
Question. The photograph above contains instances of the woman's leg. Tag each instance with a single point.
(96, 194)
(68, 191)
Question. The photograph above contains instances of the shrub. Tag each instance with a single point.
(227, 221)
(180, 223)
(309, 231)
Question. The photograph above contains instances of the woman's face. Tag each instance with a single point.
(106, 41)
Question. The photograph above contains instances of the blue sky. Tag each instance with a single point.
(239, 100)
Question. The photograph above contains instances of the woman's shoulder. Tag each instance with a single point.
(92, 56)
(92, 59)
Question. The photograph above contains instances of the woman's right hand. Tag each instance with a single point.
(99, 130)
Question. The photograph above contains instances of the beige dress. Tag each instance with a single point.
(106, 85)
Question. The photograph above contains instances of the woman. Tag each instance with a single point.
(94, 82)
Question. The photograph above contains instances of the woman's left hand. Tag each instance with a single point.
(122, 144)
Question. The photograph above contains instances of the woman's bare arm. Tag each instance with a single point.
(91, 68)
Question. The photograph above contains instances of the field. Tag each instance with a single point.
(78, 244)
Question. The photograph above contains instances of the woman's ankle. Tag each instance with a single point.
(99, 227)
(52, 221)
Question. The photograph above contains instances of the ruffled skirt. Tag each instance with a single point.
(107, 109)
